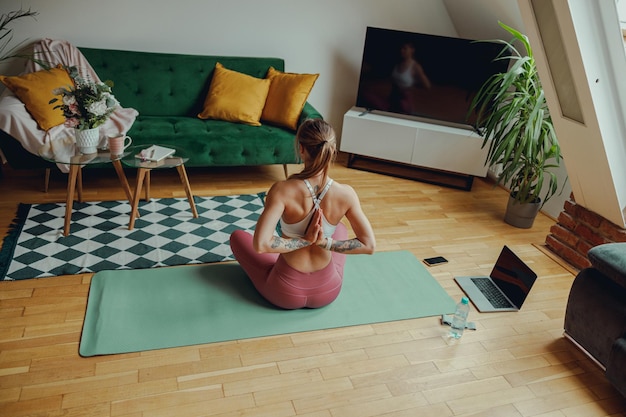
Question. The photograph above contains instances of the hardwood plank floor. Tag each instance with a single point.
(515, 364)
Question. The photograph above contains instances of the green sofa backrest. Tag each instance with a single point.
(160, 84)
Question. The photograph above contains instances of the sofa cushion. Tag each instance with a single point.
(35, 90)
(287, 95)
(217, 143)
(235, 97)
(610, 259)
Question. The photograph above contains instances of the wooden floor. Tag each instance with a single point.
(515, 364)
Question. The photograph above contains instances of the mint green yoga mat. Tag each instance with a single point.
(138, 310)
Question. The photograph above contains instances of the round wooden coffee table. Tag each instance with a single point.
(176, 160)
(76, 161)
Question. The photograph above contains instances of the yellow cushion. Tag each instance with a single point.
(286, 98)
(235, 97)
(35, 91)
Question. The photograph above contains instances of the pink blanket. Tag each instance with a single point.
(55, 142)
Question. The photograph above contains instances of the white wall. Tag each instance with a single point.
(478, 19)
(315, 36)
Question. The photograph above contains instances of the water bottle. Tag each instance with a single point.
(460, 318)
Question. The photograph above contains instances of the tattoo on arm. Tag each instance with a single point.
(343, 246)
(289, 244)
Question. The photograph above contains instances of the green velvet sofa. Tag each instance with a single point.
(168, 91)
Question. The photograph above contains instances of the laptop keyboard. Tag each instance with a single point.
(493, 294)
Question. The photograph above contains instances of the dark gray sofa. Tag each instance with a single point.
(595, 317)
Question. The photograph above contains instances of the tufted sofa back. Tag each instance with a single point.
(161, 84)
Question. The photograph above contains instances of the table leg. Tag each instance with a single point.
(147, 185)
(46, 180)
(141, 175)
(69, 199)
(79, 183)
(185, 180)
(124, 181)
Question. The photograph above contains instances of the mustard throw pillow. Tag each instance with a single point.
(35, 91)
(235, 97)
(286, 98)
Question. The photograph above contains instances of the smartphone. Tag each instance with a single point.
(435, 260)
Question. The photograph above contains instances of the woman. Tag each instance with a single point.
(405, 76)
(303, 267)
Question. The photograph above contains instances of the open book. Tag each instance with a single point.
(155, 153)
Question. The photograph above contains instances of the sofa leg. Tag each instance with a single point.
(286, 170)
(46, 180)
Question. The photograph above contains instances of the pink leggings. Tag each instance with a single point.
(283, 285)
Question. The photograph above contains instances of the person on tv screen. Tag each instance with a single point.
(406, 75)
(302, 266)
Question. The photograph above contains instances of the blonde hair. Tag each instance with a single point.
(317, 137)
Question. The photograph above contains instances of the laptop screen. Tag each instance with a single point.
(513, 276)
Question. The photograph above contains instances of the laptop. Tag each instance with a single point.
(505, 289)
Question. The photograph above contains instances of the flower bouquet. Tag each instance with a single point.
(86, 105)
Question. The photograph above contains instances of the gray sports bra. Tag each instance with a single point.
(299, 229)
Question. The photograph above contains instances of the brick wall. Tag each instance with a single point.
(577, 230)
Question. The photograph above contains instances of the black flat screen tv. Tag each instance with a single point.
(425, 76)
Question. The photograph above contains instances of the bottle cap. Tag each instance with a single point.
(464, 300)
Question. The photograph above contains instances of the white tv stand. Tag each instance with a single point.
(408, 148)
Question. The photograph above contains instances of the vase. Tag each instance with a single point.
(87, 140)
(521, 215)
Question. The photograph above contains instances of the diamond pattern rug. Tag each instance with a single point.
(165, 234)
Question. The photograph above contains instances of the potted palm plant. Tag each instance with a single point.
(514, 120)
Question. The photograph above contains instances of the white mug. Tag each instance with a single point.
(118, 143)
